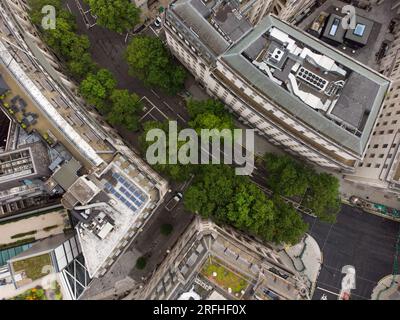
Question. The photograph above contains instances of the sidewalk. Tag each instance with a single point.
(387, 289)
(307, 259)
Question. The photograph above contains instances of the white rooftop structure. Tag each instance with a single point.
(126, 202)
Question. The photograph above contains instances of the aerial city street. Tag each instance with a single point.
(199, 150)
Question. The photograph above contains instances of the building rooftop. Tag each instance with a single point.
(117, 201)
(25, 163)
(359, 35)
(217, 23)
(214, 263)
(326, 90)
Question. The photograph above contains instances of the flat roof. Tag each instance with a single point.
(334, 29)
(66, 175)
(361, 32)
(119, 209)
(371, 89)
(217, 23)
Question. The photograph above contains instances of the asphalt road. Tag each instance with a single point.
(360, 239)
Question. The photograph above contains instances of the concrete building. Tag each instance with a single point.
(196, 266)
(381, 165)
(85, 151)
(298, 92)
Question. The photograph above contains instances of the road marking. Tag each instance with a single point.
(154, 106)
(155, 32)
(172, 110)
(146, 114)
(155, 93)
(69, 8)
(331, 292)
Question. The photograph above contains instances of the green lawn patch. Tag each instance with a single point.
(224, 278)
(33, 266)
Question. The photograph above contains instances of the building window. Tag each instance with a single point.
(384, 146)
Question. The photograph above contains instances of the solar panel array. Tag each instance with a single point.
(127, 192)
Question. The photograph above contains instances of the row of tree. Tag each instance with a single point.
(219, 194)
(318, 191)
(97, 86)
(63, 39)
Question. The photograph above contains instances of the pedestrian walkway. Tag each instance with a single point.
(387, 288)
(307, 260)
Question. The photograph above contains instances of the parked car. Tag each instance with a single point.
(174, 201)
(158, 22)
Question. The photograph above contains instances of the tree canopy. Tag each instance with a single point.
(96, 88)
(116, 15)
(124, 110)
(285, 175)
(177, 172)
(149, 60)
(64, 40)
(219, 194)
(320, 191)
(209, 114)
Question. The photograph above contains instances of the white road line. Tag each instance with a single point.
(153, 31)
(168, 106)
(155, 93)
(172, 110)
(331, 292)
(146, 114)
(69, 8)
(165, 116)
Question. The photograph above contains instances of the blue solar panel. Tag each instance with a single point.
(128, 193)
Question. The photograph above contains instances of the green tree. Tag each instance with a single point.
(35, 11)
(289, 227)
(150, 61)
(81, 66)
(97, 88)
(124, 111)
(323, 196)
(64, 40)
(116, 15)
(286, 176)
(177, 172)
(219, 194)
